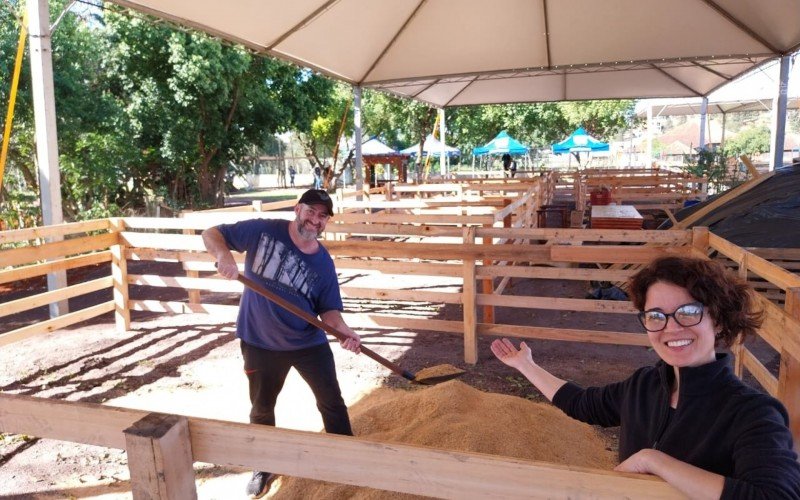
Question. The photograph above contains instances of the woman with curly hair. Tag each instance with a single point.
(688, 419)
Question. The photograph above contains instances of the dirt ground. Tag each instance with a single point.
(190, 365)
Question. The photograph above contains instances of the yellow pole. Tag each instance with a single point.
(12, 97)
(428, 157)
(336, 146)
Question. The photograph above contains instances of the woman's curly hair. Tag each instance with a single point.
(729, 300)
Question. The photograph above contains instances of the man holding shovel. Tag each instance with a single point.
(286, 258)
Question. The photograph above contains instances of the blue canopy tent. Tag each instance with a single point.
(579, 142)
(503, 143)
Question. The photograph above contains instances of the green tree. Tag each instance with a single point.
(602, 119)
(321, 140)
(196, 105)
(751, 141)
(91, 146)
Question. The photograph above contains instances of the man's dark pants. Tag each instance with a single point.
(266, 371)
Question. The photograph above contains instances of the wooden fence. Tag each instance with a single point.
(467, 249)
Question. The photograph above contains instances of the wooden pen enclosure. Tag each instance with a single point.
(474, 243)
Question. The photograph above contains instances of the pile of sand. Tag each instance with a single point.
(455, 416)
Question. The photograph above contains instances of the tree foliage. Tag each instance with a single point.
(195, 105)
(751, 141)
(145, 109)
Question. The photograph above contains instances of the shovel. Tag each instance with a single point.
(427, 376)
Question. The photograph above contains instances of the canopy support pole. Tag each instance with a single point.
(443, 152)
(724, 124)
(359, 164)
(44, 111)
(779, 115)
(649, 153)
(703, 117)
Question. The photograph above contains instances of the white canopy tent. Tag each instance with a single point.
(755, 91)
(547, 52)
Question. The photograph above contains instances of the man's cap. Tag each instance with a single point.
(317, 197)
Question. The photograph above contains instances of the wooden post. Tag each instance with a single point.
(160, 458)
(194, 295)
(700, 241)
(119, 275)
(469, 300)
(789, 376)
(388, 192)
(738, 360)
(488, 283)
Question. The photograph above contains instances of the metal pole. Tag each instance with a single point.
(44, 111)
(443, 152)
(649, 153)
(357, 136)
(779, 116)
(703, 116)
(724, 124)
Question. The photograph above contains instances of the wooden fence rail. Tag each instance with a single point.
(388, 466)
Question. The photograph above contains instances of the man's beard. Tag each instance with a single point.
(307, 230)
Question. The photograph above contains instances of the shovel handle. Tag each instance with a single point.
(256, 287)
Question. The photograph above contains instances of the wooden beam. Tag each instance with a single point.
(182, 307)
(410, 295)
(557, 303)
(210, 284)
(750, 167)
(42, 232)
(163, 241)
(676, 238)
(45, 298)
(388, 466)
(33, 270)
(565, 334)
(55, 323)
(759, 372)
(722, 200)
(556, 273)
(611, 254)
(57, 250)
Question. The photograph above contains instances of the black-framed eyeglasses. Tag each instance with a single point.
(686, 315)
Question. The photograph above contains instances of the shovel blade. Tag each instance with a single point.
(438, 374)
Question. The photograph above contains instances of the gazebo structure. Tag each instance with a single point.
(374, 152)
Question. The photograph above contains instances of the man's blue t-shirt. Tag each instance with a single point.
(307, 281)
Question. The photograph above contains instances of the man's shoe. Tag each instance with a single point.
(259, 484)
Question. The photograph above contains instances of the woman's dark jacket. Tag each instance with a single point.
(720, 425)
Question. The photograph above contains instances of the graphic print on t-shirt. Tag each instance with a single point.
(275, 261)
